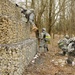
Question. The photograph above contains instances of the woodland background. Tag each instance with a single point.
(56, 15)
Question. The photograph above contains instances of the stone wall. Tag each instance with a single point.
(14, 57)
(16, 47)
(12, 25)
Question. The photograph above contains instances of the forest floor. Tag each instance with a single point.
(50, 63)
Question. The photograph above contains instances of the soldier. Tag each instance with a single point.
(63, 44)
(30, 16)
(44, 38)
(71, 51)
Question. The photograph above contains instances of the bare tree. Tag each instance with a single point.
(55, 15)
(40, 12)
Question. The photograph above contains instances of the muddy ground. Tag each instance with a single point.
(50, 63)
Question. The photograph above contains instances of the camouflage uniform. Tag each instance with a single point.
(63, 44)
(43, 43)
(29, 15)
(71, 52)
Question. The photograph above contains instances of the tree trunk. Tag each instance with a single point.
(33, 4)
(50, 16)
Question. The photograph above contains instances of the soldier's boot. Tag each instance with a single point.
(46, 49)
(64, 53)
(69, 61)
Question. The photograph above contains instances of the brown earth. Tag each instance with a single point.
(50, 63)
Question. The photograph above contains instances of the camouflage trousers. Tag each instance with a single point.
(71, 56)
(43, 45)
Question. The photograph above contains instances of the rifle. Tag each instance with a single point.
(20, 7)
(23, 11)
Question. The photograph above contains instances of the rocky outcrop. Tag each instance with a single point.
(12, 26)
(16, 47)
(15, 57)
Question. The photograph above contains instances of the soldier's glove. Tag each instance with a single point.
(34, 28)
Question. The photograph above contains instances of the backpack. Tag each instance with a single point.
(61, 44)
(47, 37)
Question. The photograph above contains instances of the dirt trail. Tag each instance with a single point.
(50, 64)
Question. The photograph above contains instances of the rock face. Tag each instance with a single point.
(16, 49)
(12, 28)
(15, 57)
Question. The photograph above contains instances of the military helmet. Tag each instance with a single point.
(43, 29)
(73, 38)
(67, 36)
